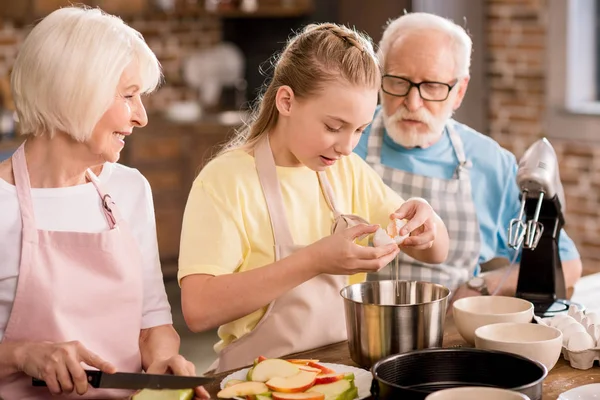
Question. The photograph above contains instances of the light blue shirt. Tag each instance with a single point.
(493, 183)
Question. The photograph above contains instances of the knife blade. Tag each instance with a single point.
(135, 381)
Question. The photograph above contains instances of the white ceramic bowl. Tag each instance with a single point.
(535, 341)
(476, 393)
(472, 312)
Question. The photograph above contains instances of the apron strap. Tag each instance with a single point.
(108, 205)
(328, 193)
(457, 144)
(267, 174)
(23, 186)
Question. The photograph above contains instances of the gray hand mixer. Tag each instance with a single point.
(537, 229)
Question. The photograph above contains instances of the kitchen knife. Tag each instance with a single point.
(135, 381)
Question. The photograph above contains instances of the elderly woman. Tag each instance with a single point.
(80, 279)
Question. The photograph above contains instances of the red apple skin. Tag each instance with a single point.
(302, 361)
(328, 378)
(324, 370)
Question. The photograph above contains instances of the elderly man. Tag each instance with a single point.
(419, 150)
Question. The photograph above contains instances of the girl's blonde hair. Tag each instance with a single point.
(321, 53)
(68, 68)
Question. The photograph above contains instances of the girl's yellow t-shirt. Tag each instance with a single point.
(226, 225)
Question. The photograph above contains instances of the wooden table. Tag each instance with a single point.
(561, 378)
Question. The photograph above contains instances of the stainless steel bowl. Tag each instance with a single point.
(391, 317)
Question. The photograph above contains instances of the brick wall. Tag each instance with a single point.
(516, 35)
(171, 38)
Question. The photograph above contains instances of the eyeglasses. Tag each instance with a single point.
(429, 91)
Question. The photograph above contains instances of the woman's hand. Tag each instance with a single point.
(59, 365)
(421, 223)
(178, 365)
(337, 254)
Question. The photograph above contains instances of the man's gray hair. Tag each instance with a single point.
(420, 21)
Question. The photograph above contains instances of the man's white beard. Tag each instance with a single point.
(413, 136)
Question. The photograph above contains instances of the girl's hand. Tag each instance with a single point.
(337, 254)
(421, 223)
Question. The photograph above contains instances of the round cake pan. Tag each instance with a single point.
(416, 374)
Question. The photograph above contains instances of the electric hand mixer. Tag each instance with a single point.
(537, 229)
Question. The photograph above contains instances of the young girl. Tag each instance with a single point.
(269, 230)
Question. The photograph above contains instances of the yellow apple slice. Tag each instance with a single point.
(232, 382)
(243, 389)
(309, 369)
(150, 394)
(272, 368)
(298, 383)
(298, 396)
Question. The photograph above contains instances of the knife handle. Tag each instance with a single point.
(93, 378)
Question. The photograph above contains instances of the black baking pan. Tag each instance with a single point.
(414, 375)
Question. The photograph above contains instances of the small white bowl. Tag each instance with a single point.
(472, 312)
(476, 393)
(535, 341)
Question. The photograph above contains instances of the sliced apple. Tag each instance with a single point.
(303, 361)
(328, 378)
(243, 389)
(298, 383)
(272, 368)
(324, 370)
(232, 382)
(263, 396)
(309, 369)
(333, 390)
(298, 396)
(151, 394)
(259, 359)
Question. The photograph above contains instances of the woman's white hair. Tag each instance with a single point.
(420, 21)
(68, 68)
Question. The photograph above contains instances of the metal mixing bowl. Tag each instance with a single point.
(391, 317)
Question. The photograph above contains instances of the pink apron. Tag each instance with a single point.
(310, 315)
(75, 286)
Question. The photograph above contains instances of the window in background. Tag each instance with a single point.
(582, 48)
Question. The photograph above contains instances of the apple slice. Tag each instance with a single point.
(303, 361)
(298, 383)
(263, 396)
(151, 394)
(232, 382)
(243, 389)
(328, 378)
(309, 369)
(298, 396)
(333, 390)
(272, 368)
(324, 370)
(259, 359)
